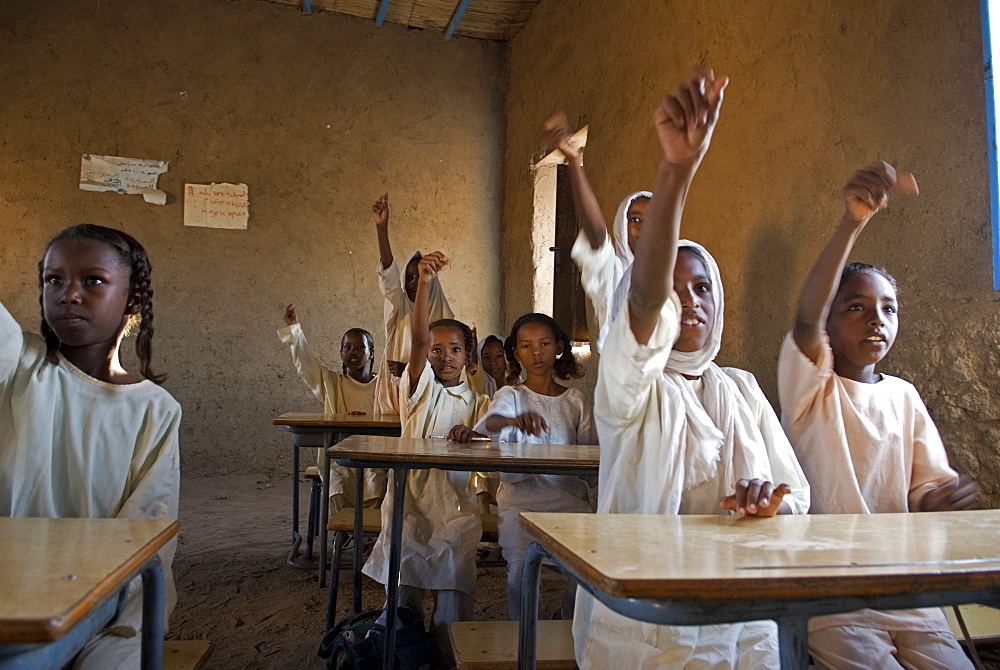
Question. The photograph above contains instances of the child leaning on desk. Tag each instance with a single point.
(351, 391)
(441, 525)
(865, 439)
(678, 434)
(538, 411)
(79, 436)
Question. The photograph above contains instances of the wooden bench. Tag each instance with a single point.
(492, 645)
(185, 654)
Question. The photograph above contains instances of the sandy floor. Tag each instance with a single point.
(235, 590)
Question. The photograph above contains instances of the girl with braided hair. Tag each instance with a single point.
(79, 436)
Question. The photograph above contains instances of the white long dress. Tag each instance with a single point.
(74, 446)
(398, 313)
(340, 394)
(441, 525)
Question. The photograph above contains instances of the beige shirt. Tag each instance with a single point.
(866, 449)
(441, 525)
(74, 446)
(339, 393)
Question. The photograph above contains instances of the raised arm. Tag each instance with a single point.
(380, 215)
(684, 121)
(588, 210)
(866, 193)
(429, 267)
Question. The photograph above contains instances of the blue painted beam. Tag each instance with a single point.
(382, 9)
(991, 137)
(458, 17)
(306, 6)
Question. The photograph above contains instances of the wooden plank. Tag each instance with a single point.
(485, 456)
(185, 654)
(492, 645)
(809, 556)
(346, 421)
(56, 570)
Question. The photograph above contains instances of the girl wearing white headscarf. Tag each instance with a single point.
(399, 292)
(677, 433)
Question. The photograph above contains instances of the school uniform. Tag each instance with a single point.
(398, 314)
(441, 524)
(866, 449)
(570, 420)
(74, 446)
(340, 394)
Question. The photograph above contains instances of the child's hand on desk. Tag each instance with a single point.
(290, 318)
(531, 423)
(958, 494)
(395, 368)
(755, 497)
(380, 211)
(460, 433)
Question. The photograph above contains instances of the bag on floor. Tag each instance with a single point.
(356, 643)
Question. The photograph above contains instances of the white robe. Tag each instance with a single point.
(398, 313)
(441, 525)
(75, 447)
(340, 394)
(641, 424)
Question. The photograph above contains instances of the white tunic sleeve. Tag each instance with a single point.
(11, 345)
(315, 375)
(600, 272)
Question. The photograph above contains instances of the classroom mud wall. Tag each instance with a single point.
(318, 115)
(817, 90)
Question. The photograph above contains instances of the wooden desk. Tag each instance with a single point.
(60, 581)
(320, 431)
(404, 454)
(695, 570)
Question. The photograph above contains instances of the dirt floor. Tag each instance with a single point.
(235, 590)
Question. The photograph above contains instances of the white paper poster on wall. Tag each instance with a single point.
(216, 205)
(123, 175)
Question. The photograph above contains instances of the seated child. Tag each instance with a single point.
(400, 293)
(441, 526)
(79, 436)
(539, 410)
(677, 434)
(864, 438)
(351, 391)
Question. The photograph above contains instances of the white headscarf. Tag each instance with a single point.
(620, 227)
(721, 418)
(489, 384)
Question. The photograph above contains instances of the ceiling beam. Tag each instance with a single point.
(382, 9)
(462, 6)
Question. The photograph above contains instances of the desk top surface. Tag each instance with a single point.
(53, 571)
(320, 420)
(486, 455)
(800, 556)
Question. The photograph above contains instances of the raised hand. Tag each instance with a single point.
(755, 497)
(431, 264)
(557, 136)
(290, 318)
(395, 368)
(958, 494)
(380, 211)
(686, 118)
(868, 191)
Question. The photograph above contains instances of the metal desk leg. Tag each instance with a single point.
(793, 643)
(395, 554)
(296, 538)
(528, 629)
(153, 603)
(359, 515)
(324, 508)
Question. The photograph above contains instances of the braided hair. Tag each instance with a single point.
(133, 256)
(464, 329)
(566, 365)
(369, 341)
(856, 268)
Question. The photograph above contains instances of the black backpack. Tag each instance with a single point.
(356, 643)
